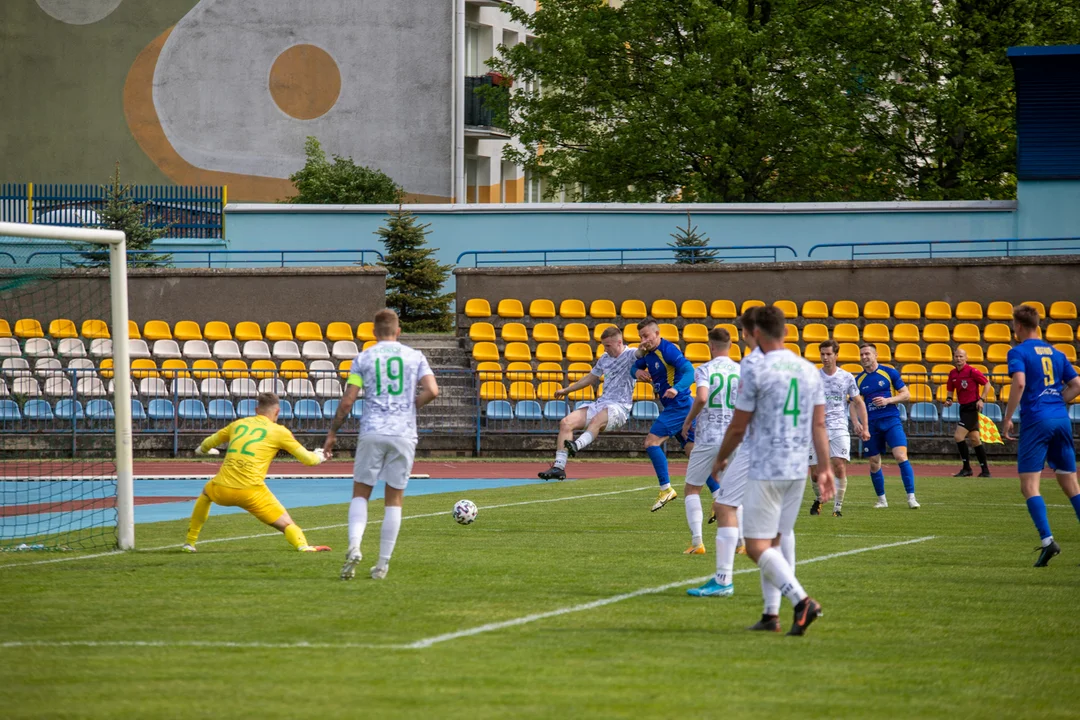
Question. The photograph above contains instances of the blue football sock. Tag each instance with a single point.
(878, 478)
(659, 463)
(714, 486)
(1075, 500)
(1037, 509)
(907, 474)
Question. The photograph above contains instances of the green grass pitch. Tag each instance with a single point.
(957, 626)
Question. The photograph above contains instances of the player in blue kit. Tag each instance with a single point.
(663, 365)
(883, 390)
(1043, 383)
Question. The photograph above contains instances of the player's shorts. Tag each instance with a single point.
(839, 447)
(670, 423)
(969, 417)
(885, 432)
(256, 499)
(699, 466)
(384, 457)
(771, 507)
(1048, 441)
(733, 481)
(616, 414)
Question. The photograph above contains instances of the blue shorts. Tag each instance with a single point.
(1047, 441)
(885, 432)
(671, 420)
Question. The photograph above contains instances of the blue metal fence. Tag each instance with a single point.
(220, 258)
(997, 247)
(624, 256)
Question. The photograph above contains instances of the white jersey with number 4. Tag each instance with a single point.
(390, 373)
(781, 390)
(721, 377)
(840, 388)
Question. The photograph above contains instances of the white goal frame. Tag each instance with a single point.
(118, 287)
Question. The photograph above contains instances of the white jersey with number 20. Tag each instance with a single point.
(721, 377)
(390, 372)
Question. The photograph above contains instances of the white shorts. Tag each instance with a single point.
(771, 507)
(839, 447)
(733, 481)
(700, 464)
(384, 457)
(616, 414)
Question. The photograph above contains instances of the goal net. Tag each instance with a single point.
(65, 390)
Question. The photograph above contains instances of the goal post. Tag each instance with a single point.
(118, 288)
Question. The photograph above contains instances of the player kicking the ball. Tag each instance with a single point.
(841, 398)
(608, 413)
(241, 482)
(390, 374)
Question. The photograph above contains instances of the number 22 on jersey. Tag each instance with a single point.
(239, 444)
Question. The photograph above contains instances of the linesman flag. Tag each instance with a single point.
(988, 431)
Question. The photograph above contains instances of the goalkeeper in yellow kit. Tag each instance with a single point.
(253, 443)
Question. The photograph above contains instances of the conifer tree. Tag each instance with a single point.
(689, 237)
(414, 279)
(122, 213)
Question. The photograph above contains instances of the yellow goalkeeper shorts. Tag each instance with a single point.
(257, 500)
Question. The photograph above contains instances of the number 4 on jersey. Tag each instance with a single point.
(791, 402)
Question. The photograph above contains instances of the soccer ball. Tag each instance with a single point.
(465, 511)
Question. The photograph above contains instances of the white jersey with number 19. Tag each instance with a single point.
(390, 373)
(721, 376)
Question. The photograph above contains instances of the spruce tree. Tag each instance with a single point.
(414, 279)
(122, 213)
(690, 238)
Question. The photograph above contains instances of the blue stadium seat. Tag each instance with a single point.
(358, 409)
(645, 410)
(993, 411)
(950, 413)
(161, 409)
(1074, 414)
(1016, 416)
(192, 410)
(246, 407)
(329, 407)
(286, 410)
(499, 410)
(68, 409)
(924, 412)
(903, 413)
(9, 410)
(307, 409)
(37, 410)
(221, 409)
(557, 409)
(138, 412)
(529, 410)
(581, 403)
(101, 410)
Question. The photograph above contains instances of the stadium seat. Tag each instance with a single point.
(966, 332)
(974, 352)
(184, 387)
(9, 347)
(28, 328)
(735, 352)
(492, 391)
(73, 347)
(999, 310)
(938, 310)
(555, 410)
(100, 410)
(998, 333)
(25, 386)
(812, 353)
(187, 330)
(278, 331)
(247, 331)
(669, 332)
(664, 310)
(15, 366)
(263, 369)
(153, 387)
(365, 331)
(1059, 332)
(1068, 350)
(913, 372)
(907, 310)
(519, 372)
(306, 331)
(644, 410)
(815, 310)
(969, 310)
(542, 308)
(477, 308)
(161, 409)
(876, 310)
(228, 349)
(920, 392)
(307, 409)
(90, 386)
(138, 410)
(1003, 396)
(196, 349)
(517, 351)
(291, 369)
(58, 387)
(577, 332)
(221, 409)
(790, 309)
(1000, 374)
(174, 368)
(747, 304)
(906, 332)
(156, 330)
(577, 370)
(602, 309)
(630, 333)
(133, 331)
(368, 345)
(9, 411)
(849, 352)
(546, 390)
(572, 309)
(299, 387)
(846, 332)
(166, 349)
(101, 348)
(924, 412)
(950, 413)
(91, 329)
(875, 333)
(37, 347)
(47, 367)
(936, 332)
(815, 332)
(5, 329)
(344, 367)
(695, 333)
(598, 331)
(513, 332)
(510, 308)
(339, 331)
(693, 310)
(884, 353)
(993, 411)
(723, 310)
(522, 391)
(314, 350)
(62, 328)
(938, 352)
(643, 391)
(579, 352)
(633, 310)
(1038, 306)
(328, 388)
(529, 410)
(845, 310)
(549, 352)
(549, 372)
(794, 347)
(320, 369)
(544, 332)
(499, 410)
(192, 409)
(216, 330)
(791, 333)
(698, 353)
(68, 409)
(286, 408)
(38, 410)
(243, 388)
(213, 388)
(344, 349)
(1063, 310)
(285, 350)
(908, 353)
(143, 368)
(106, 368)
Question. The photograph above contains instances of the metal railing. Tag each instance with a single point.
(478, 110)
(626, 256)
(221, 258)
(1009, 247)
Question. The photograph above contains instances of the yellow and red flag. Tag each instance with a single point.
(988, 431)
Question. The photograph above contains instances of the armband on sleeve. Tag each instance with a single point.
(356, 380)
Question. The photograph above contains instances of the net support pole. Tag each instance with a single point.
(125, 483)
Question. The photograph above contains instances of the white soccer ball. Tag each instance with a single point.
(465, 511)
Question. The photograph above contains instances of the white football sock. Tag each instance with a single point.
(726, 540)
(738, 519)
(388, 536)
(787, 548)
(776, 568)
(560, 459)
(357, 522)
(817, 488)
(693, 517)
(841, 488)
(583, 440)
(771, 594)
(911, 496)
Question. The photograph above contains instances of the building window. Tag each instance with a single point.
(472, 180)
(532, 188)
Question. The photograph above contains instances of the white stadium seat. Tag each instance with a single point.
(328, 389)
(153, 387)
(101, 347)
(58, 387)
(47, 367)
(27, 386)
(71, 347)
(272, 385)
(90, 387)
(112, 388)
(197, 350)
(228, 350)
(214, 387)
(138, 349)
(243, 388)
(286, 350)
(319, 369)
(15, 366)
(315, 350)
(300, 387)
(345, 350)
(184, 387)
(37, 347)
(9, 347)
(255, 350)
(166, 349)
(3, 388)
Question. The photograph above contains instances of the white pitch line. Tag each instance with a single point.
(315, 529)
(429, 642)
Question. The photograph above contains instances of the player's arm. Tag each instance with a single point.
(640, 369)
(289, 444)
(210, 444)
(701, 397)
(950, 389)
(352, 391)
(684, 370)
(581, 384)
(859, 418)
(1072, 389)
(1019, 381)
(734, 435)
(429, 390)
(983, 384)
(821, 446)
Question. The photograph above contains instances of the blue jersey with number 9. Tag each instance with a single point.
(1046, 372)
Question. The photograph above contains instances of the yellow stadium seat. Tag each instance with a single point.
(91, 329)
(263, 369)
(308, 331)
(735, 352)
(633, 310)
(1068, 350)
(174, 368)
(966, 332)
(187, 330)
(849, 352)
(941, 394)
(991, 394)
(598, 331)
(545, 332)
(510, 308)
(790, 309)
(845, 310)
(940, 373)
(913, 372)
(157, 330)
(133, 331)
(1003, 396)
(981, 368)
(579, 352)
(519, 372)
(546, 390)
(218, 330)
(106, 368)
(542, 308)
(853, 368)
(630, 333)
(572, 309)
(920, 393)
(732, 331)
(974, 352)
(664, 310)
(723, 310)
(998, 333)
(585, 393)
(747, 304)
(549, 352)
(906, 332)
(5, 328)
(142, 368)
(908, 353)
(936, 332)
(846, 332)
(643, 391)
(517, 351)
(487, 371)
(969, 310)
(482, 332)
(577, 332)
(884, 353)
(577, 370)
(293, 369)
(999, 310)
(791, 333)
(550, 372)
(812, 352)
(938, 310)
(1062, 310)
(814, 332)
(1038, 306)
(815, 310)
(1000, 374)
(278, 330)
(793, 347)
(1055, 332)
(698, 352)
(205, 368)
(233, 369)
(365, 331)
(669, 332)
(477, 308)
(693, 310)
(875, 333)
(876, 310)
(907, 310)
(492, 391)
(938, 352)
(602, 309)
(367, 345)
(695, 333)
(62, 328)
(337, 331)
(514, 332)
(485, 351)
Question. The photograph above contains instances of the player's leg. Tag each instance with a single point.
(874, 447)
(907, 473)
(761, 528)
(1061, 456)
(395, 473)
(199, 515)
(815, 508)
(596, 422)
(366, 468)
(980, 453)
(655, 450)
(567, 426)
(1030, 459)
(960, 438)
(839, 466)
(697, 474)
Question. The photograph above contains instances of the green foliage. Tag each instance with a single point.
(341, 182)
(414, 278)
(758, 100)
(120, 212)
(689, 237)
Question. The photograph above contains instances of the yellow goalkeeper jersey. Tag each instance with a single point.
(253, 444)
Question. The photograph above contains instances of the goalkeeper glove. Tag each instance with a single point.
(211, 451)
(320, 455)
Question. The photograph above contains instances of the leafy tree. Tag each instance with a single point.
(690, 239)
(414, 278)
(120, 212)
(340, 182)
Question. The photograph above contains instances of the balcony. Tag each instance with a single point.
(479, 114)
(488, 3)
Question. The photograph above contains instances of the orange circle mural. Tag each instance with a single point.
(305, 82)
